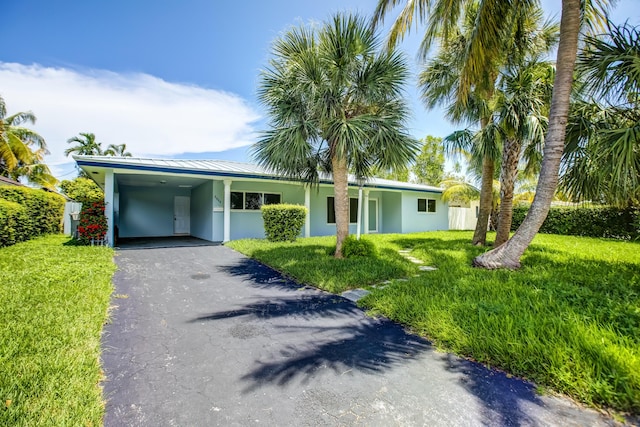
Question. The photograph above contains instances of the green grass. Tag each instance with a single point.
(53, 303)
(569, 319)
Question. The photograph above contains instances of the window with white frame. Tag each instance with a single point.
(427, 205)
(251, 201)
(331, 210)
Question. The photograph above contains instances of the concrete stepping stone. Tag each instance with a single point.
(426, 268)
(355, 294)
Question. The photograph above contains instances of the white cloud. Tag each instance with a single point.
(152, 116)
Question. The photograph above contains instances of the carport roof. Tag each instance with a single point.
(223, 168)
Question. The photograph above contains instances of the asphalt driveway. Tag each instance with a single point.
(204, 336)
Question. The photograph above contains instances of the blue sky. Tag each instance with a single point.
(168, 78)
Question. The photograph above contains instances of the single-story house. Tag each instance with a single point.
(220, 200)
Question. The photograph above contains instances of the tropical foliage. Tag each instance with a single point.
(335, 105)
(22, 150)
(428, 167)
(282, 222)
(83, 190)
(85, 145)
(602, 152)
(93, 224)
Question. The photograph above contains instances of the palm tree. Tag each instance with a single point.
(22, 150)
(441, 84)
(521, 114)
(86, 145)
(483, 49)
(119, 150)
(602, 151)
(335, 104)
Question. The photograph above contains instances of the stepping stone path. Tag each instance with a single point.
(356, 294)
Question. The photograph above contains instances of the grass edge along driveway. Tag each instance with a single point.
(568, 320)
(54, 298)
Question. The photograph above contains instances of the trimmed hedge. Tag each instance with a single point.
(282, 222)
(604, 221)
(28, 212)
(352, 247)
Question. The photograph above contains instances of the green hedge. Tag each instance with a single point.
(13, 221)
(605, 221)
(283, 222)
(41, 213)
(352, 247)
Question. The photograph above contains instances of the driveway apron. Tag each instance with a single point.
(205, 336)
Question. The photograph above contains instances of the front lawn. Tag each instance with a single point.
(53, 303)
(569, 319)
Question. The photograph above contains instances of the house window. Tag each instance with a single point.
(251, 201)
(331, 210)
(427, 205)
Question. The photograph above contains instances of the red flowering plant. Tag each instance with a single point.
(93, 224)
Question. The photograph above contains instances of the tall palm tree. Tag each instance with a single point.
(86, 145)
(508, 254)
(521, 113)
(483, 50)
(119, 150)
(602, 151)
(22, 150)
(335, 104)
(441, 83)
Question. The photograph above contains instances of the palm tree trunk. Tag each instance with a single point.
(510, 158)
(341, 200)
(486, 195)
(508, 255)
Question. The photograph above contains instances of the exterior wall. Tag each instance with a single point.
(146, 212)
(202, 211)
(69, 226)
(414, 221)
(391, 207)
(248, 223)
(319, 224)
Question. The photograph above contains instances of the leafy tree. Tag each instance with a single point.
(82, 190)
(602, 152)
(398, 174)
(429, 164)
(335, 104)
(22, 150)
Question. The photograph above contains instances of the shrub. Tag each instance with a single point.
(13, 218)
(283, 222)
(352, 247)
(82, 190)
(600, 221)
(42, 213)
(93, 224)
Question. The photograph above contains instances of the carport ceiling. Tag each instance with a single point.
(144, 180)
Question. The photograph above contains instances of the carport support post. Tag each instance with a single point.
(307, 204)
(366, 212)
(227, 210)
(108, 205)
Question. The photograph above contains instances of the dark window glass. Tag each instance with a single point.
(252, 201)
(271, 199)
(422, 205)
(331, 211)
(237, 201)
(432, 205)
(477, 211)
(353, 211)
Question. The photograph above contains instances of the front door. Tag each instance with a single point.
(373, 216)
(181, 215)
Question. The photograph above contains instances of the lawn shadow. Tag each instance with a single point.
(260, 275)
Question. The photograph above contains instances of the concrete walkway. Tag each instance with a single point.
(204, 336)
